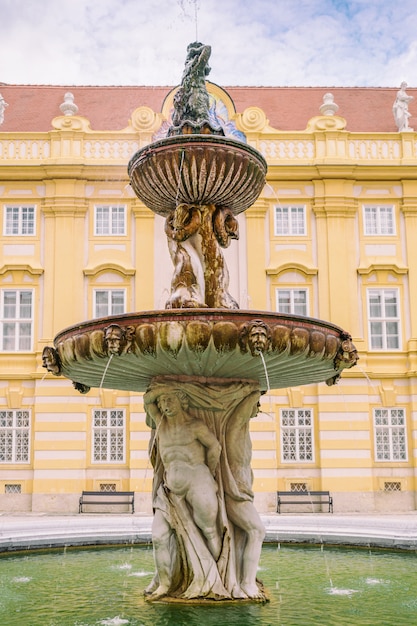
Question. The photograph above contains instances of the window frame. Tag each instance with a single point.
(110, 291)
(292, 221)
(15, 429)
(96, 430)
(112, 222)
(384, 319)
(20, 221)
(297, 428)
(292, 303)
(16, 320)
(378, 220)
(389, 429)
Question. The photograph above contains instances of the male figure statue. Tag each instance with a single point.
(189, 453)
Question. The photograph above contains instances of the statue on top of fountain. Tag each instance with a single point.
(196, 233)
(192, 114)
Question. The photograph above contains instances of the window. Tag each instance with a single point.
(297, 435)
(109, 302)
(108, 436)
(290, 220)
(108, 487)
(19, 220)
(391, 486)
(16, 320)
(110, 220)
(292, 301)
(384, 322)
(379, 220)
(14, 436)
(390, 435)
(298, 487)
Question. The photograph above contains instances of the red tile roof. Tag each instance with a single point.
(366, 109)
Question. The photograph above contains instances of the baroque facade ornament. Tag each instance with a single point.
(68, 107)
(329, 107)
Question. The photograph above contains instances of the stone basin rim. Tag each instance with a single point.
(187, 140)
(197, 314)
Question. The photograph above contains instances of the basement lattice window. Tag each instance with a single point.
(392, 486)
(108, 487)
(13, 488)
(298, 487)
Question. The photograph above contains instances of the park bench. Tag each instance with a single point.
(114, 498)
(303, 498)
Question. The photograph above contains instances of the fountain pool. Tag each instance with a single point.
(307, 585)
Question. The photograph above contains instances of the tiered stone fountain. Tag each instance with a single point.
(202, 363)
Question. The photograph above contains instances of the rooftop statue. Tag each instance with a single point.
(3, 105)
(400, 109)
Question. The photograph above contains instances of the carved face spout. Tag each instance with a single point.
(257, 339)
(113, 340)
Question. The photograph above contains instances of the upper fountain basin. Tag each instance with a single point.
(197, 169)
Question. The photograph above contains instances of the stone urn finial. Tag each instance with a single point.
(329, 107)
(68, 107)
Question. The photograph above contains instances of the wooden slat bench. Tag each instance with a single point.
(304, 497)
(98, 498)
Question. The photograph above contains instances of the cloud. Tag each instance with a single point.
(254, 42)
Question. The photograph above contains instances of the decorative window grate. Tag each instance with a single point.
(390, 434)
(108, 436)
(392, 486)
(107, 487)
(13, 488)
(14, 436)
(297, 487)
(297, 435)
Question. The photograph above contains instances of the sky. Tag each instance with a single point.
(340, 43)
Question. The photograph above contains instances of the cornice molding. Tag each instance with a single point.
(109, 267)
(382, 267)
(299, 267)
(22, 267)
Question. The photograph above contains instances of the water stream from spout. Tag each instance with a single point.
(268, 387)
(105, 371)
(195, 5)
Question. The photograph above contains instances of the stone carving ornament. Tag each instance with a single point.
(3, 105)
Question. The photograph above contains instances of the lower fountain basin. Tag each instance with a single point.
(197, 169)
(104, 587)
(208, 343)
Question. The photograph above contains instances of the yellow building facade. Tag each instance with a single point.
(332, 236)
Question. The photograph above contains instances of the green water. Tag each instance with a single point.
(307, 585)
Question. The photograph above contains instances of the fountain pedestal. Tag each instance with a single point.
(203, 500)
